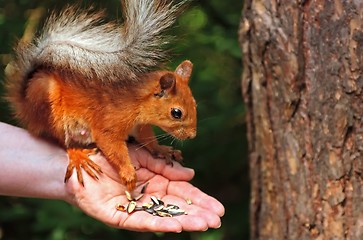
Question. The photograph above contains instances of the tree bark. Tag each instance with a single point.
(302, 85)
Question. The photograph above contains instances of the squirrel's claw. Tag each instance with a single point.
(168, 154)
(79, 158)
(128, 176)
(177, 155)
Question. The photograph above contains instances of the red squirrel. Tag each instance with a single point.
(86, 82)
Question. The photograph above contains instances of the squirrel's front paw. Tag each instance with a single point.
(128, 177)
(167, 153)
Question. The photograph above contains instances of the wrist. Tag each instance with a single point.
(71, 187)
(31, 167)
(50, 177)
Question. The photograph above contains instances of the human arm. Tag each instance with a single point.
(32, 167)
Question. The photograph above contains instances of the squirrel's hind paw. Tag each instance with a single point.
(79, 158)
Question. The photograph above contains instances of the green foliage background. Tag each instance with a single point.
(207, 35)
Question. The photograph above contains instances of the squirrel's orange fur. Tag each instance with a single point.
(80, 110)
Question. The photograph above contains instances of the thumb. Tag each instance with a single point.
(174, 171)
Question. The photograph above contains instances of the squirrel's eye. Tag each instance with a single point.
(176, 113)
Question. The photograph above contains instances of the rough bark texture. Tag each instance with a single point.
(302, 85)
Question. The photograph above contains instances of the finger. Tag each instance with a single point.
(157, 184)
(185, 191)
(198, 218)
(159, 166)
(191, 223)
(175, 172)
(142, 221)
(104, 164)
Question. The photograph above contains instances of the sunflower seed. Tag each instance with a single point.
(148, 205)
(139, 197)
(149, 210)
(131, 207)
(171, 206)
(143, 189)
(158, 207)
(137, 208)
(120, 207)
(176, 212)
(155, 200)
(163, 214)
(128, 195)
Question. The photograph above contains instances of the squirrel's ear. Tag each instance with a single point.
(166, 84)
(167, 81)
(184, 70)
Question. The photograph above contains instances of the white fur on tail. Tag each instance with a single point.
(81, 42)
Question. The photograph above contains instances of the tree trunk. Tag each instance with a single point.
(302, 85)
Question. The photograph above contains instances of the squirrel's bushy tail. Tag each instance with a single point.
(80, 42)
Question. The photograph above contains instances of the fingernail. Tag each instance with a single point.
(220, 224)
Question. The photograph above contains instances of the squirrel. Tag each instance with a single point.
(89, 84)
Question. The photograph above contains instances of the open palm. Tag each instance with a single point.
(170, 183)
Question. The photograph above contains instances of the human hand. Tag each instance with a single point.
(169, 183)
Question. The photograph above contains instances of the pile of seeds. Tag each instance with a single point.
(155, 207)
